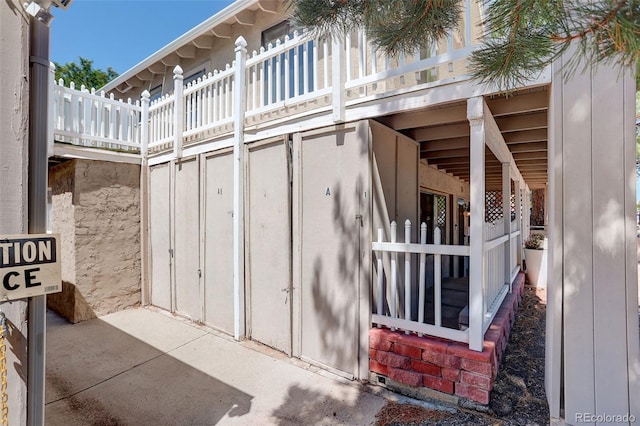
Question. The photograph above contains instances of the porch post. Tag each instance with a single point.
(475, 115)
(238, 187)
(519, 220)
(338, 75)
(50, 117)
(526, 217)
(506, 214)
(178, 111)
(144, 200)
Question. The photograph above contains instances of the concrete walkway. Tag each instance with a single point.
(143, 367)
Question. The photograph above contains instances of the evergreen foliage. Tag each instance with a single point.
(521, 37)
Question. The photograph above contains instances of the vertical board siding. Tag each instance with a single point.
(578, 249)
(611, 374)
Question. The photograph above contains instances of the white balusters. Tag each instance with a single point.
(407, 273)
(422, 295)
(380, 294)
(437, 281)
(394, 272)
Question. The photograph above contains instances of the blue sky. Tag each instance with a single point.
(118, 33)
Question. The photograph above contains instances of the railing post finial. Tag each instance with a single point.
(241, 42)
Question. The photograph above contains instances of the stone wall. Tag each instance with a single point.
(96, 209)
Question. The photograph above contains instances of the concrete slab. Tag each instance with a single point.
(142, 367)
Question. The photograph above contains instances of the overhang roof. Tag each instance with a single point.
(443, 134)
(200, 37)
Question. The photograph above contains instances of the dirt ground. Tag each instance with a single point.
(518, 396)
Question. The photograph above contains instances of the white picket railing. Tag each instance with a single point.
(301, 72)
(85, 118)
(369, 67)
(396, 274)
(496, 283)
(398, 282)
(209, 102)
(161, 123)
(287, 73)
(494, 280)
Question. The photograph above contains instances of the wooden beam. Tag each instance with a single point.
(445, 153)
(204, 42)
(537, 120)
(171, 60)
(145, 75)
(519, 103)
(187, 51)
(157, 68)
(222, 31)
(531, 162)
(447, 131)
(135, 82)
(246, 17)
(432, 117)
(451, 160)
(526, 136)
(528, 147)
(540, 155)
(457, 143)
(269, 6)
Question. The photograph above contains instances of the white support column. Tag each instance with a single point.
(519, 219)
(178, 112)
(506, 214)
(239, 98)
(338, 76)
(50, 117)
(546, 208)
(144, 200)
(476, 262)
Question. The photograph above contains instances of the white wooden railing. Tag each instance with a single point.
(398, 262)
(398, 282)
(86, 118)
(307, 74)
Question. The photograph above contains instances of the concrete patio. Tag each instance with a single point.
(143, 367)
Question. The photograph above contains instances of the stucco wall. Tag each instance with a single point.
(96, 209)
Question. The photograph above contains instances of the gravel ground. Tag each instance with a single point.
(518, 396)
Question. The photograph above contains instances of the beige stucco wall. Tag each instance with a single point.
(96, 209)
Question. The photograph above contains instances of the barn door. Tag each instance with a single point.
(160, 235)
(330, 188)
(268, 251)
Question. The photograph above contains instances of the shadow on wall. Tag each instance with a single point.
(99, 375)
(336, 304)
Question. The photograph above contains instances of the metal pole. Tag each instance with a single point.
(38, 170)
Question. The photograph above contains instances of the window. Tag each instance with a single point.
(155, 93)
(272, 35)
(193, 77)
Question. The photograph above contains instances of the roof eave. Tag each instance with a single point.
(200, 29)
